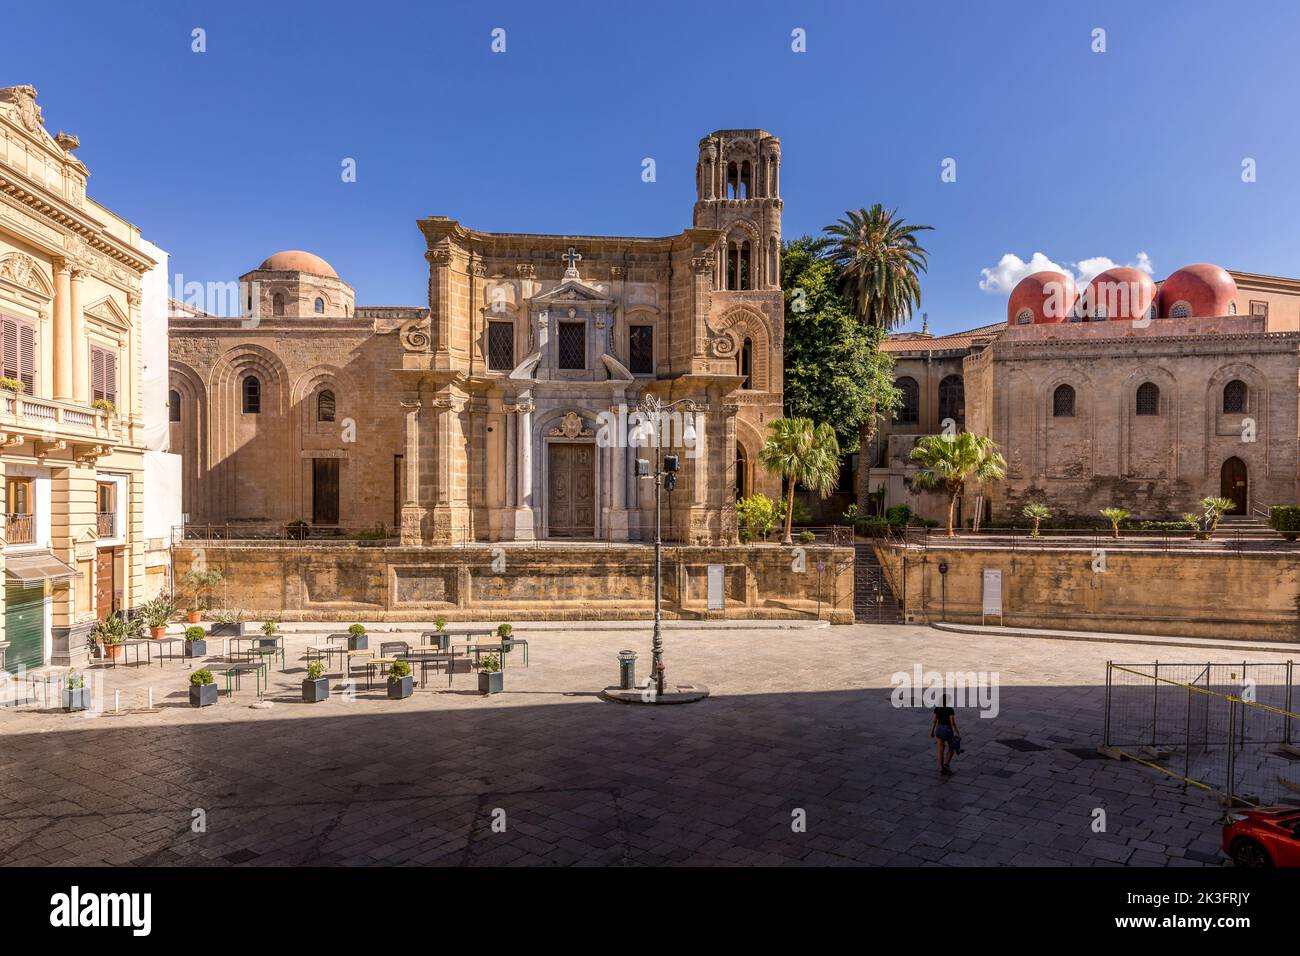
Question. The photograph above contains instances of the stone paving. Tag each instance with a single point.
(800, 726)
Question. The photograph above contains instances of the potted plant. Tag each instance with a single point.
(200, 584)
(14, 385)
(399, 680)
(196, 643)
(227, 623)
(112, 631)
(203, 689)
(156, 612)
(357, 639)
(104, 405)
(807, 537)
(490, 678)
(317, 686)
(503, 634)
(76, 695)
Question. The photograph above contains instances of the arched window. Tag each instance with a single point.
(733, 181)
(252, 395)
(320, 306)
(1148, 399)
(277, 304)
(173, 406)
(325, 406)
(1234, 396)
(1063, 402)
(746, 181)
(742, 471)
(909, 412)
(745, 363)
(1181, 310)
(1025, 317)
(952, 400)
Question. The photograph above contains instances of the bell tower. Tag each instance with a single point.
(738, 190)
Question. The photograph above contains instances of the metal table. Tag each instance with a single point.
(425, 657)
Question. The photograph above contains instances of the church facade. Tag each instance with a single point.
(506, 408)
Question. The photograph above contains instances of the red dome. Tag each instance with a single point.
(1042, 297)
(1201, 289)
(1119, 293)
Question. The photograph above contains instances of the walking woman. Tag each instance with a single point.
(944, 729)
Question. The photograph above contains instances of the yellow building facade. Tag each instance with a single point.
(72, 441)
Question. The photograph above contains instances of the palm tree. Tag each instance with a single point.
(1216, 508)
(1036, 511)
(1114, 516)
(949, 461)
(803, 454)
(880, 263)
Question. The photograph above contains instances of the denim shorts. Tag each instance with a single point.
(943, 732)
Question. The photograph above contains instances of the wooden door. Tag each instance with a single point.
(571, 491)
(1232, 484)
(325, 491)
(105, 584)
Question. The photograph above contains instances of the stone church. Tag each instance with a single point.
(504, 409)
(1140, 394)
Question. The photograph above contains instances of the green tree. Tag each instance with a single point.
(949, 461)
(803, 454)
(834, 369)
(1036, 512)
(880, 263)
(1114, 516)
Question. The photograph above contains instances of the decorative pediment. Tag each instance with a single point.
(572, 291)
(108, 311)
(26, 273)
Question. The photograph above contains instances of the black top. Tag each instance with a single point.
(945, 715)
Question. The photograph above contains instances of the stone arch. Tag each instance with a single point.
(1148, 443)
(251, 456)
(1224, 430)
(1067, 445)
(189, 438)
(749, 442)
(739, 323)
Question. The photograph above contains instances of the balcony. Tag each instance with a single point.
(49, 420)
(20, 529)
(106, 524)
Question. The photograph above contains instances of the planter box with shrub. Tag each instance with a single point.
(1285, 520)
(490, 678)
(227, 629)
(196, 644)
(357, 638)
(203, 689)
(76, 695)
(316, 687)
(400, 682)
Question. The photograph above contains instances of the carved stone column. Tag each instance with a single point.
(525, 526)
(80, 348)
(413, 513)
(62, 330)
(616, 517)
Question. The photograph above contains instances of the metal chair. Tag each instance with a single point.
(394, 648)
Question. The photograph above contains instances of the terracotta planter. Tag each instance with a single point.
(193, 617)
(157, 632)
(112, 650)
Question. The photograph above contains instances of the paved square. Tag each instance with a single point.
(799, 720)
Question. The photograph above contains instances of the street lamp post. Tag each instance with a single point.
(664, 475)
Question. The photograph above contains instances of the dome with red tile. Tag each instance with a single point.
(295, 260)
(1121, 292)
(1046, 296)
(1200, 289)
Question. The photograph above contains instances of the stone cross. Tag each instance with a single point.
(572, 257)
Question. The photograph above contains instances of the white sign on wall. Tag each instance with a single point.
(992, 594)
(716, 577)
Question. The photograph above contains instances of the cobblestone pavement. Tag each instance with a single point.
(799, 720)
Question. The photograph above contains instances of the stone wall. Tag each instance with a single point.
(1201, 592)
(311, 581)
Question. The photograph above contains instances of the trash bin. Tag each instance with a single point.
(627, 670)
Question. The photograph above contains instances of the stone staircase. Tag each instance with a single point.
(873, 601)
(1252, 524)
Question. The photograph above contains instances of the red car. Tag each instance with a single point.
(1265, 836)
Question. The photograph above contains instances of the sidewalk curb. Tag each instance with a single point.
(1108, 637)
(407, 627)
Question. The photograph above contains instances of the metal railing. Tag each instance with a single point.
(106, 524)
(1088, 538)
(1227, 728)
(20, 529)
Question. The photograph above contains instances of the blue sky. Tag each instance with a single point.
(226, 156)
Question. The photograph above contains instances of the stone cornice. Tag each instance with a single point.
(1130, 347)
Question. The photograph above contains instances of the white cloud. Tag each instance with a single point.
(1002, 278)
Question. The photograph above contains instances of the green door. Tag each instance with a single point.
(24, 627)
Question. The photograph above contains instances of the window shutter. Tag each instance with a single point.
(96, 374)
(10, 349)
(27, 356)
(110, 376)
